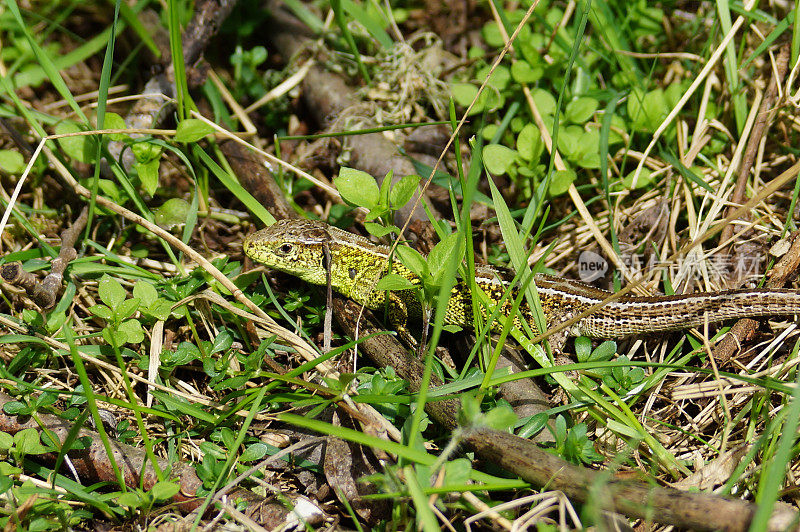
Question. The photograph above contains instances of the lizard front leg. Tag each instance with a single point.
(398, 317)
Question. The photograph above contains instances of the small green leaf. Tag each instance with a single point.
(126, 308)
(392, 282)
(457, 471)
(132, 331)
(544, 101)
(131, 499)
(27, 442)
(403, 191)
(256, 451)
(644, 179)
(146, 292)
(113, 337)
(647, 110)
(386, 185)
(379, 230)
(148, 175)
(146, 151)
(12, 162)
(604, 351)
(444, 253)
(101, 311)
(376, 212)
(192, 130)
(569, 141)
(470, 413)
(55, 321)
(534, 425)
(498, 158)
(159, 309)
(413, 260)
(164, 490)
(6, 441)
(523, 72)
(213, 449)
(357, 188)
(492, 35)
(111, 292)
(583, 348)
(500, 418)
(222, 342)
(499, 79)
(580, 110)
(172, 213)
(463, 93)
(588, 154)
(115, 121)
(560, 428)
(80, 147)
(560, 182)
(530, 144)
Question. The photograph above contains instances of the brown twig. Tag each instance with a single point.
(255, 177)
(45, 292)
(765, 112)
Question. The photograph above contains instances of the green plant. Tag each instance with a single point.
(430, 270)
(619, 377)
(144, 501)
(360, 189)
(573, 443)
(117, 310)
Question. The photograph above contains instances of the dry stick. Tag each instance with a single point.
(45, 292)
(695, 511)
(525, 458)
(255, 177)
(765, 113)
(45, 296)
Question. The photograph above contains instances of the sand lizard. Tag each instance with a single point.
(297, 247)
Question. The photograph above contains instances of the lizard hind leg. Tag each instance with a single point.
(558, 341)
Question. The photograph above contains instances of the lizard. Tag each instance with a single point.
(299, 248)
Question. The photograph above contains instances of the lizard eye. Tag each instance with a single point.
(285, 248)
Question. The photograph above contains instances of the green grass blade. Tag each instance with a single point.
(425, 518)
(50, 70)
(731, 67)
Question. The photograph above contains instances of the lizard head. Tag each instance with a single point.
(291, 246)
